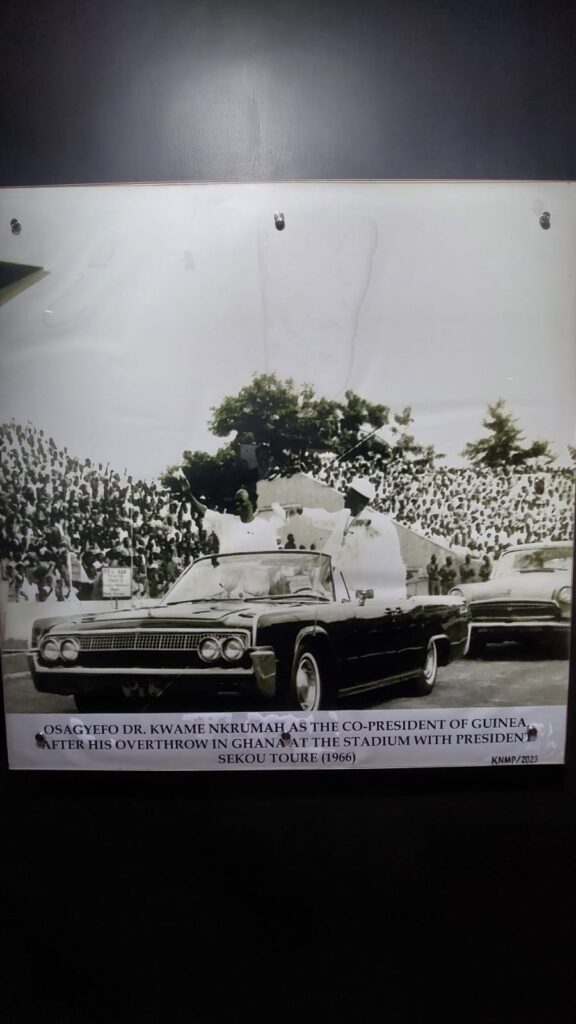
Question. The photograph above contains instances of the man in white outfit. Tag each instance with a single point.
(363, 543)
(241, 532)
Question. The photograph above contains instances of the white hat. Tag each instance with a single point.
(362, 485)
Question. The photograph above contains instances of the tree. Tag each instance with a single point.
(293, 425)
(215, 478)
(503, 446)
(280, 428)
(277, 415)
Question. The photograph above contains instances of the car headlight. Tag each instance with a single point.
(50, 650)
(233, 649)
(69, 650)
(564, 598)
(210, 649)
(456, 592)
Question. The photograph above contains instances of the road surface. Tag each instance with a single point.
(507, 676)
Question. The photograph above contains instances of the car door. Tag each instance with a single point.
(413, 631)
(380, 640)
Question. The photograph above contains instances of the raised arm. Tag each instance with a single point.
(318, 517)
(197, 505)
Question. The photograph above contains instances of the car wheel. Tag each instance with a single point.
(427, 678)
(307, 685)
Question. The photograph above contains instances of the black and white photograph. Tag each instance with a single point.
(287, 474)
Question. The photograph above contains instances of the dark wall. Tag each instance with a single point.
(303, 896)
(141, 90)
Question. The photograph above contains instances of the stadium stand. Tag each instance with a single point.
(63, 519)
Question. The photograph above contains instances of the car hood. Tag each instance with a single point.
(518, 585)
(192, 615)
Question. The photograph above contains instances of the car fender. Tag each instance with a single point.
(323, 636)
(442, 641)
(311, 631)
(42, 626)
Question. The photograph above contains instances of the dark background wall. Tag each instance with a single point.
(303, 896)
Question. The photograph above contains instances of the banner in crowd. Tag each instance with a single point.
(287, 475)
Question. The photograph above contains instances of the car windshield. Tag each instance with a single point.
(547, 559)
(256, 576)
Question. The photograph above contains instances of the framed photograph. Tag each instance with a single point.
(287, 475)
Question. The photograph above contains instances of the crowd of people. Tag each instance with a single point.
(63, 519)
(472, 510)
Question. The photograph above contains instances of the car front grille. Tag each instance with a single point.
(514, 610)
(149, 640)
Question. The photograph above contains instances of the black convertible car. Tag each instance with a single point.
(281, 626)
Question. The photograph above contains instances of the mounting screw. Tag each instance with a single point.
(15, 226)
(279, 221)
(532, 732)
(545, 220)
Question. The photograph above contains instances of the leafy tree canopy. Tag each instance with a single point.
(211, 478)
(280, 428)
(291, 423)
(504, 444)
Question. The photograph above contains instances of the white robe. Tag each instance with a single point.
(365, 548)
(234, 535)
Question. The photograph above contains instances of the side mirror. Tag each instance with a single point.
(363, 596)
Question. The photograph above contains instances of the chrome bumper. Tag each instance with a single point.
(263, 672)
(561, 624)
